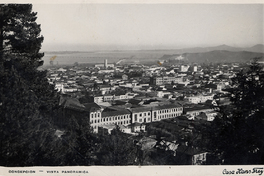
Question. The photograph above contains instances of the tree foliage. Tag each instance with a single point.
(237, 136)
(116, 149)
(26, 97)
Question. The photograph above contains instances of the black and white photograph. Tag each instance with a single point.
(131, 88)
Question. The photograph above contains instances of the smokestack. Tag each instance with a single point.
(105, 64)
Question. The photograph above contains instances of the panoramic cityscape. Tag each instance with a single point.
(131, 85)
(166, 99)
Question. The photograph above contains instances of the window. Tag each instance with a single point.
(95, 115)
(148, 113)
(91, 115)
(140, 120)
(98, 115)
(140, 115)
(145, 114)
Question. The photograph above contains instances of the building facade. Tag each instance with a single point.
(100, 117)
(161, 80)
(166, 112)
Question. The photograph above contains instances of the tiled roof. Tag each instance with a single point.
(134, 101)
(63, 100)
(182, 118)
(114, 113)
(72, 103)
(120, 102)
(147, 143)
(140, 109)
(122, 127)
(119, 93)
(109, 126)
(105, 86)
(91, 107)
(167, 106)
(196, 108)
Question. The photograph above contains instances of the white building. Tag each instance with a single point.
(184, 68)
(199, 98)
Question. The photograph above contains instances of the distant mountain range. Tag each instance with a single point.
(259, 48)
(256, 48)
(220, 56)
(222, 53)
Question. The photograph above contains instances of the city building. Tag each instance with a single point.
(161, 80)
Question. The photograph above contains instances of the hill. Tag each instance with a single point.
(142, 56)
(215, 56)
(256, 48)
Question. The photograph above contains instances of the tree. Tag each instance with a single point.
(116, 149)
(20, 48)
(26, 97)
(237, 137)
(79, 141)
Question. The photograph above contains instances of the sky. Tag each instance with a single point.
(87, 26)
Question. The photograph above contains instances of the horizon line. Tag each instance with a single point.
(146, 49)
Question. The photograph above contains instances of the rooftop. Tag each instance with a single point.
(196, 108)
(115, 113)
(167, 106)
(91, 107)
